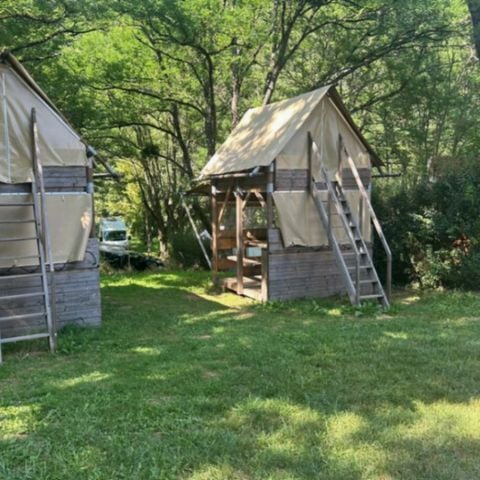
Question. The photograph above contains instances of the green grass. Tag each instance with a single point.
(180, 383)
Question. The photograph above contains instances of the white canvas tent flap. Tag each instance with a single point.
(59, 144)
(326, 126)
(69, 224)
(300, 222)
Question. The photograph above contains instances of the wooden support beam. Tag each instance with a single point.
(265, 275)
(339, 167)
(270, 189)
(309, 158)
(225, 203)
(245, 200)
(239, 235)
(260, 198)
(89, 189)
(215, 232)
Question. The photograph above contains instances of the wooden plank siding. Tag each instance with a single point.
(77, 295)
(304, 274)
(246, 183)
(82, 304)
(297, 180)
(57, 179)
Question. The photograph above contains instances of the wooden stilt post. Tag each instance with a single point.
(270, 221)
(89, 190)
(240, 245)
(309, 158)
(270, 188)
(215, 231)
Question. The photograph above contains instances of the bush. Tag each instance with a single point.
(433, 229)
(185, 250)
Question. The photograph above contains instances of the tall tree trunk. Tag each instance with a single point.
(236, 87)
(474, 7)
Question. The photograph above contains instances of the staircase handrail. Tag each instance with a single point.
(341, 214)
(374, 219)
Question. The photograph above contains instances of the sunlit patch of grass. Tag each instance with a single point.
(147, 350)
(409, 300)
(397, 335)
(183, 383)
(81, 379)
(217, 472)
(17, 421)
(443, 423)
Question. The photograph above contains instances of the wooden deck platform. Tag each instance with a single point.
(252, 287)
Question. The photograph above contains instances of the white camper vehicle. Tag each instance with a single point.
(113, 234)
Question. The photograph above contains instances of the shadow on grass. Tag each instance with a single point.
(178, 386)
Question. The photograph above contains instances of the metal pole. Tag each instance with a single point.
(197, 235)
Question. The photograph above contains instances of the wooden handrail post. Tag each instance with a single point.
(45, 241)
(240, 243)
(375, 222)
(215, 233)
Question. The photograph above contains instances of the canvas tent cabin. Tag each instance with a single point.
(291, 211)
(67, 204)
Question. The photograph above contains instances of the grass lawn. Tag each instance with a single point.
(179, 383)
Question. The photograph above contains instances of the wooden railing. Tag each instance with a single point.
(365, 198)
(353, 288)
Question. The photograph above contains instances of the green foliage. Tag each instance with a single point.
(179, 384)
(434, 228)
(185, 250)
(156, 85)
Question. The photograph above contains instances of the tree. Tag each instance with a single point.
(157, 84)
(474, 8)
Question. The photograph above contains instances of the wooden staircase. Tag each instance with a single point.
(360, 276)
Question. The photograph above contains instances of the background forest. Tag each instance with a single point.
(156, 85)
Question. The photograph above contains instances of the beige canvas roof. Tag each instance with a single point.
(264, 132)
(59, 144)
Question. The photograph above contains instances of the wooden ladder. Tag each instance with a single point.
(361, 280)
(46, 307)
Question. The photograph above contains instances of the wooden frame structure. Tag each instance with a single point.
(262, 265)
(73, 290)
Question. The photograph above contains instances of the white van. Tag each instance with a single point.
(113, 234)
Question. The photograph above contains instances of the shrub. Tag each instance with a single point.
(433, 229)
(185, 250)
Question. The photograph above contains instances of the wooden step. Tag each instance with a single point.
(18, 276)
(21, 295)
(7, 222)
(17, 239)
(362, 267)
(17, 204)
(255, 243)
(21, 257)
(247, 262)
(24, 316)
(24, 337)
(371, 297)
